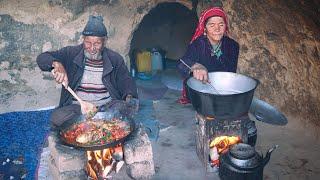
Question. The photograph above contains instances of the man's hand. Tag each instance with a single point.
(200, 72)
(59, 73)
(132, 102)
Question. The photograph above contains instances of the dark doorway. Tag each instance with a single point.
(168, 27)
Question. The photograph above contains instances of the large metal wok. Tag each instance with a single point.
(99, 116)
(231, 97)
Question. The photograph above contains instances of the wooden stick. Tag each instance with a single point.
(72, 92)
(207, 82)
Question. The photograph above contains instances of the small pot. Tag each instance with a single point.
(242, 162)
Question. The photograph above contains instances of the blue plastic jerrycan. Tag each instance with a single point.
(157, 61)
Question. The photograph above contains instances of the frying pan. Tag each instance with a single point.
(107, 116)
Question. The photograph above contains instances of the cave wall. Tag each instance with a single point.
(279, 45)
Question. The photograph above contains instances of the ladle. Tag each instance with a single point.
(217, 92)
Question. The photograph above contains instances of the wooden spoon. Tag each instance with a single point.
(86, 107)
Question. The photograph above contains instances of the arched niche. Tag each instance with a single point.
(168, 27)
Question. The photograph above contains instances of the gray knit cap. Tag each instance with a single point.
(95, 27)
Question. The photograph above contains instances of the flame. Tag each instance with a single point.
(220, 145)
(224, 142)
(100, 162)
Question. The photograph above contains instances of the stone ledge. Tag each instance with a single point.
(141, 170)
(66, 158)
(66, 175)
(138, 148)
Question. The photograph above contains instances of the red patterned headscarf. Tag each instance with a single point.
(215, 11)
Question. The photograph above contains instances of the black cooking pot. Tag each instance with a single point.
(242, 162)
(230, 98)
(107, 116)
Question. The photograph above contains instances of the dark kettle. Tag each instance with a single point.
(243, 162)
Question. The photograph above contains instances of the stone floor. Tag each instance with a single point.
(175, 156)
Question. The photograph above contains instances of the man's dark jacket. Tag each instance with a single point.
(115, 75)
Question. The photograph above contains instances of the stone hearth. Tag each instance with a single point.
(69, 163)
(207, 129)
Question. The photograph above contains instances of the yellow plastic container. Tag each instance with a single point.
(144, 61)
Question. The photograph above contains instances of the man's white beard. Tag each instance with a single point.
(96, 56)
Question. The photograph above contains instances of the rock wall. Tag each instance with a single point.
(279, 46)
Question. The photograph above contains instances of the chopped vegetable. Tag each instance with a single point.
(97, 132)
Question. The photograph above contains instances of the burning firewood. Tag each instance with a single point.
(108, 169)
(224, 142)
(220, 145)
(214, 156)
(119, 166)
(101, 163)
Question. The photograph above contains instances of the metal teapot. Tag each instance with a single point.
(242, 162)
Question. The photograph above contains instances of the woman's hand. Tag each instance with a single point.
(200, 72)
(59, 73)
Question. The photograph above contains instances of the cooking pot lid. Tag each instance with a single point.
(266, 113)
(242, 151)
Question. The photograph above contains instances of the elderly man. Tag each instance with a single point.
(96, 73)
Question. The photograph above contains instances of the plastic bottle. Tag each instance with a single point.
(133, 72)
(156, 59)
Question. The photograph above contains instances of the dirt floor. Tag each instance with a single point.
(174, 152)
(297, 156)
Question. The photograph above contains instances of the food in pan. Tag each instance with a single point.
(97, 132)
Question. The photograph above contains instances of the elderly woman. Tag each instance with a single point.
(210, 49)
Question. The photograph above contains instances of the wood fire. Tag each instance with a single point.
(220, 145)
(102, 162)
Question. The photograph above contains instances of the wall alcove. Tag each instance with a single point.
(168, 27)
